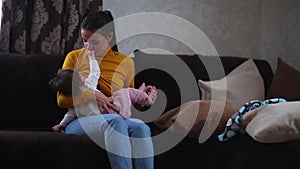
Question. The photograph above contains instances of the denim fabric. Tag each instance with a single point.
(127, 141)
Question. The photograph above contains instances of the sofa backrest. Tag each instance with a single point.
(166, 72)
(27, 101)
(29, 104)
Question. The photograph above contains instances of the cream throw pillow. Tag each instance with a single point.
(241, 85)
(274, 123)
(195, 117)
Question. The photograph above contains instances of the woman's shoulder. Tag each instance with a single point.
(72, 58)
(75, 53)
(121, 57)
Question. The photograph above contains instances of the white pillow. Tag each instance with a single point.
(241, 85)
(274, 123)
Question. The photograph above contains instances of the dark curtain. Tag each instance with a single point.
(43, 26)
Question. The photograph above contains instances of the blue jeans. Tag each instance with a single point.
(127, 141)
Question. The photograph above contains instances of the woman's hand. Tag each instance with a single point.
(104, 103)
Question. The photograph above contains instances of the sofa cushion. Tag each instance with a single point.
(192, 116)
(50, 150)
(240, 86)
(150, 68)
(274, 123)
(28, 103)
(285, 83)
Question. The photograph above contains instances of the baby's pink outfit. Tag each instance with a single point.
(124, 98)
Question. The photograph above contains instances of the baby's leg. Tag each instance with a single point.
(139, 97)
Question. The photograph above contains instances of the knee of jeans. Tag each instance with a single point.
(117, 122)
(141, 130)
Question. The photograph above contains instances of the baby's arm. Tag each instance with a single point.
(69, 116)
(92, 80)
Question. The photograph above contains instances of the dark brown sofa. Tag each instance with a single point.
(29, 110)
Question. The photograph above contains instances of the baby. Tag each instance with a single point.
(70, 82)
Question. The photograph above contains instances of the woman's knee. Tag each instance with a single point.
(139, 130)
(116, 122)
(74, 127)
(114, 118)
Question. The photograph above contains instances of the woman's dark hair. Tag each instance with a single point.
(96, 20)
(66, 82)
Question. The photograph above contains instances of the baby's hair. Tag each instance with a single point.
(66, 82)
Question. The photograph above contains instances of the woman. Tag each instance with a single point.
(127, 141)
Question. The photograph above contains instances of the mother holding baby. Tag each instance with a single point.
(127, 141)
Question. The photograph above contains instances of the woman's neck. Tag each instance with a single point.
(102, 55)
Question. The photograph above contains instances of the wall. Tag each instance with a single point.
(257, 29)
(281, 31)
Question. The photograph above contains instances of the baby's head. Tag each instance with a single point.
(66, 82)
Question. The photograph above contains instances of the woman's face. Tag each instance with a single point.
(95, 41)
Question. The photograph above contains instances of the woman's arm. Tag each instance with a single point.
(69, 63)
(85, 96)
(104, 103)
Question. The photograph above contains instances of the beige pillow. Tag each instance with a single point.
(274, 123)
(194, 117)
(240, 86)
